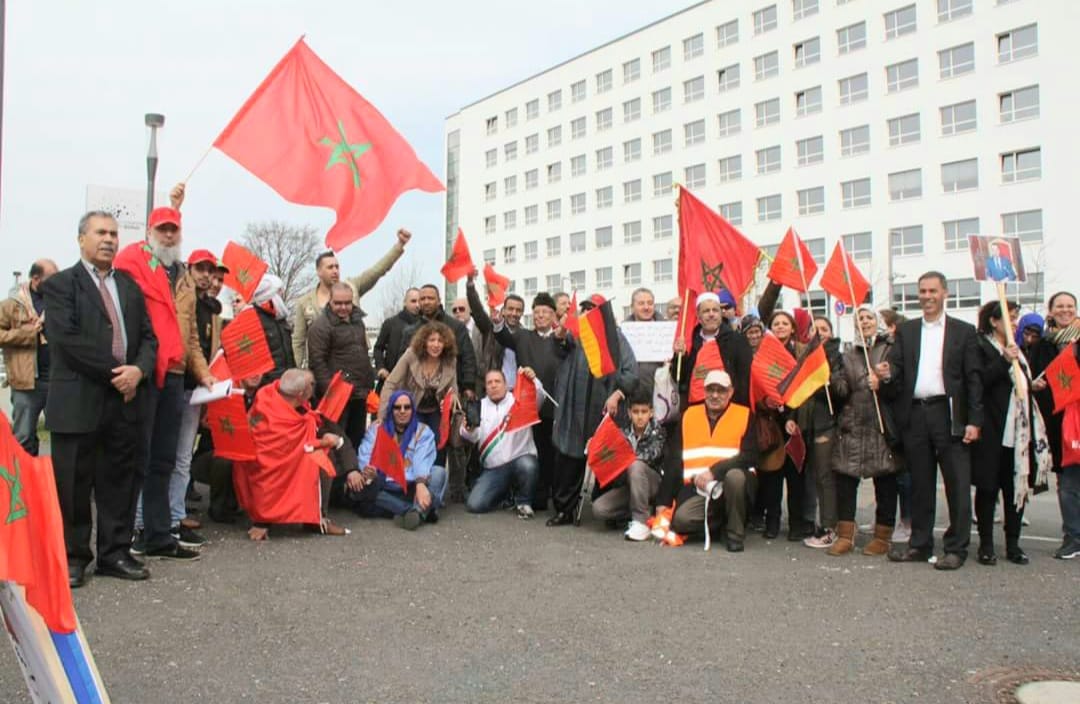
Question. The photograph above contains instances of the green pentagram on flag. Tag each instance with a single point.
(245, 344)
(154, 261)
(1064, 380)
(16, 507)
(700, 371)
(345, 153)
(225, 423)
(255, 418)
(606, 455)
(710, 276)
(775, 371)
(243, 276)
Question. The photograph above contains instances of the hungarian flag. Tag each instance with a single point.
(842, 279)
(230, 428)
(771, 364)
(460, 262)
(387, 458)
(708, 359)
(796, 449)
(809, 374)
(599, 339)
(1063, 378)
(337, 395)
(32, 549)
(793, 266)
(139, 261)
(524, 412)
(446, 416)
(245, 345)
(312, 138)
(245, 269)
(497, 286)
(571, 322)
(610, 453)
(712, 253)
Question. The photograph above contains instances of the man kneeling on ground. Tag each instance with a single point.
(508, 457)
(718, 445)
(632, 493)
(375, 495)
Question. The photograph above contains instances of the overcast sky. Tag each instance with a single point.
(80, 75)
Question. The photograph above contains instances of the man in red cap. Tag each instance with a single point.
(157, 269)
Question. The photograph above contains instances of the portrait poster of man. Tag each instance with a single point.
(997, 259)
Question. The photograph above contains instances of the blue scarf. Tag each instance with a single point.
(410, 429)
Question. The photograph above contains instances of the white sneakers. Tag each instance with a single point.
(637, 531)
(525, 511)
(825, 540)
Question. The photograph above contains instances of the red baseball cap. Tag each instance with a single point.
(201, 255)
(164, 216)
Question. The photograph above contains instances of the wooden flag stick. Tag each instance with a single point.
(682, 334)
(865, 351)
(1019, 385)
(198, 163)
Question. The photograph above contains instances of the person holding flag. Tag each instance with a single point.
(714, 345)
(507, 451)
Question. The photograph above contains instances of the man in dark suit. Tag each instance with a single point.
(934, 381)
(102, 350)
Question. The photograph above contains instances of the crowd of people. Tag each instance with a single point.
(112, 349)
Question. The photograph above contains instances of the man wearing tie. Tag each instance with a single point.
(102, 349)
(933, 379)
(999, 266)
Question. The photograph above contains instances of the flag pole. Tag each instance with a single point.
(682, 334)
(806, 290)
(866, 352)
(1019, 385)
(198, 163)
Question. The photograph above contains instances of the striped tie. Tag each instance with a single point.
(114, 319)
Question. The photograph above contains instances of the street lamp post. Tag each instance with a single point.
(153, 120)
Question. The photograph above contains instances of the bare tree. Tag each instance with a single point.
(289, 251)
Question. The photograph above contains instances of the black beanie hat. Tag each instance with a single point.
(544, 299)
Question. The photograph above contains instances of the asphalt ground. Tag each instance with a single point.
(492, 609)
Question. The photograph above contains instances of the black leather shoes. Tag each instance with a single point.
(76, 575)
(560, 519)
(986, 558)
(1017, 556)
(734, 546)
(908, 555)
(123, 568)
(950, 561)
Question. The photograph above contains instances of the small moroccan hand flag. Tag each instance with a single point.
(337, 395)
(387, 458)
(571, 321)
(446, 417)
(497, 286)
(771, 364)
(793, 266)
(708, 359)
(312, 138)
(230, 428)
(245, 269)
(599, 340)
(245, 345)
(524, 412)
(809, 374)
(219, 367)
(842, 279)
(610, 453)
(460, 262)
(1063, 378)
(796, 449)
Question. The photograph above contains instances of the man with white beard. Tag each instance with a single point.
(157, 269)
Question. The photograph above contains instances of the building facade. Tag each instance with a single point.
(901, 126)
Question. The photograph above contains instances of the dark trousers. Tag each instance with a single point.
(157, 452)
(771, 492)
(986, 494)
(885, 488)
(546, 454)
(102, 462)
(928, 444)
(566, 484)
(354, 420)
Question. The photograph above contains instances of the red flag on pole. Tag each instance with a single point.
(445, 418)
(387, 458)
(460, 262)
(245, 269)
(230, 428)
(793, 266)
(712, 253)
(1063, 378)
(245, 345)
(571, 322)
(312, 138)
(524, 412)
(842, 279)
(610, 453)
(337, 395)
(497, 286)
(772, 362)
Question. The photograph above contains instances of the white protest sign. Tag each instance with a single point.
(650, 340)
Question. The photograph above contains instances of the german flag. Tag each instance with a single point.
(600, 340)
(810, 373)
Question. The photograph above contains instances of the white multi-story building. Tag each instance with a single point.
(900, 126)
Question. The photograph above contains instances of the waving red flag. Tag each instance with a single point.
(708, 359)
(1063, 378)
(712, 253)
(230, 429)
(793, 266)
(610, 453)
(387, 458)
(245, 269)
(460, 262)
(245, 345)
(842, 279)
(219, 367)
(524, 412)
(312, 138)
(32, 551)
(336, 396)
(772, 362)
(571, 323)
(497, 286)
(446, 416)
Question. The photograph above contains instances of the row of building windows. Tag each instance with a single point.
(1011, 45)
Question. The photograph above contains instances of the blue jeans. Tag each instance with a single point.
(185, 445)
(26, 408)
(1069, 500)
(393, 500)
(494, 484)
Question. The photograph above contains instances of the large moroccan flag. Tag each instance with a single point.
(1063, 378)
(312, 138)
(387, 458)
(808, 375)
(842, 279)
(610, 453)
(338, 393)
(460, 262)
(230, 428)
(245, 345)
(771, 364)
(525, 411)
(712, 253)
(599, 339)
(32, 551)
(245, 269)
(793, 266)
(497, 286)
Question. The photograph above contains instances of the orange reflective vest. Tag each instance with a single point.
(703, 448)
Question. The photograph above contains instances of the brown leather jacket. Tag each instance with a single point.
(19, 344)
(194, 361)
